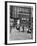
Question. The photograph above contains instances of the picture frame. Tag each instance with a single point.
(8, 4)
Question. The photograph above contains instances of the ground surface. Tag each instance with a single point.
(16, 35)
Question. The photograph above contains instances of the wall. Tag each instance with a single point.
(36, 22)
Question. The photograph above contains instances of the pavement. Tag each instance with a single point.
(16, 35)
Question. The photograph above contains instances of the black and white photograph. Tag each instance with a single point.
(20, 22)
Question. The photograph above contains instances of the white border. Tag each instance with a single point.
(8, 22)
